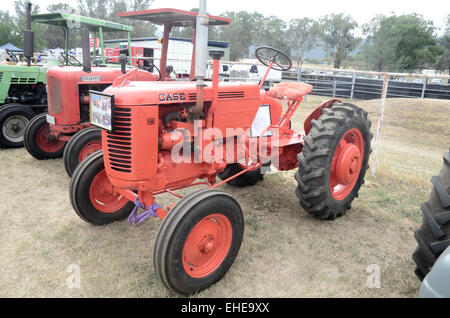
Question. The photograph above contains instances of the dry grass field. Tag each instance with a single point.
(285, 252)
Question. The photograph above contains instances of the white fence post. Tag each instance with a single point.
(380, 121)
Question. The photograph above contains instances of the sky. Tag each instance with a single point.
(361, 10)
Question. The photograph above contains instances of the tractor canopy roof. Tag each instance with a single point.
(174, 17)
(76, 21)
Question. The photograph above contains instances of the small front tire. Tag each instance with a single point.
(14, 119)
(92, 195)
(39, 141)
(81, 145)
(198, 241)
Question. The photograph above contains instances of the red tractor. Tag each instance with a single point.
(160, 137)
(68, 88)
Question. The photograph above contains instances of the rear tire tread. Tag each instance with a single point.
(433, 236)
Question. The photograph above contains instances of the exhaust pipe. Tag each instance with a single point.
(86, 49)
(201, 50)
(28, 37)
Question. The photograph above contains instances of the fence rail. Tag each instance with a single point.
(370, 88)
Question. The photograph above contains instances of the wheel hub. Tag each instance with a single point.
(102, 194)
(347, 164)
(207, 245)
(47, 141)
(14, 127)
(89, 148)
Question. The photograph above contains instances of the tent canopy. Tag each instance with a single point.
(11, 48)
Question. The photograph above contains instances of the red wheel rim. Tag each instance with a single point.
(207, 245)
(89, 148)
(102, 194)
(46, 142)
(346, 164)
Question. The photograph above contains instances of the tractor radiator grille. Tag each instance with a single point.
(23, 80)
(119, 142)
(227, 95)
(222, 95)
(1, 76)
(192, 97)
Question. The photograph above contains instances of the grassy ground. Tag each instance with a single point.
(285, 252)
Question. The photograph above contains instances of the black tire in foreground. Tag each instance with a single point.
(81, 145)
(91, 196)
(334, 160)
(198, 241)
(38, 140)
(14, 118)
(433, 236)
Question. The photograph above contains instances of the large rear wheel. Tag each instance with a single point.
(13, 120)
(433, 236)
(81, 145)
(198, 241)
(39, 141)
(92, 195)
(334, 160)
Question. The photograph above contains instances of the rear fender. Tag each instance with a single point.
(315, 114)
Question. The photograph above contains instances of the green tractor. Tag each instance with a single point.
(23, 92)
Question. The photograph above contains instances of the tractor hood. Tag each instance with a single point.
(155, 93)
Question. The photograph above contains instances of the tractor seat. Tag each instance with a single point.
(290, 90)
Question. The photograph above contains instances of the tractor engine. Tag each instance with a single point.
(68, 94)
(27, 94)
(152, 120)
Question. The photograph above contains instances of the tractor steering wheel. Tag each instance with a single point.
(147, 68)
(12, 55)
(266, 55)
(67, 59)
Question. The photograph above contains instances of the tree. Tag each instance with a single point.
(108, 10)
(400, 43)
(271, 31)
(443, 62)
(241, 33)
(302, 35)
(9, 33)
(379, 48)
(58, 36)
(20, 19)
(337, 36)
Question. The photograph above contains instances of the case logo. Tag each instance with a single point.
(172, 97)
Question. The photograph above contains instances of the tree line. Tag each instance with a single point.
(389, 43)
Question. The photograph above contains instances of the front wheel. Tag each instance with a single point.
(92, 195)
(39, 141)
(81, 145)
(13, 121)
(198, 241)
(334, 160)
